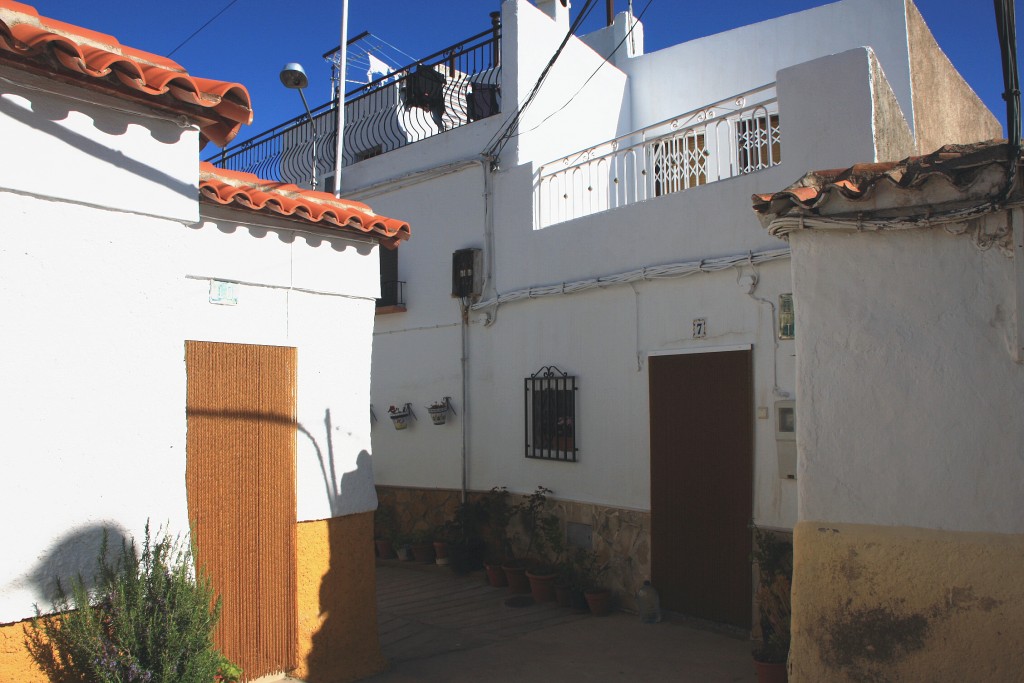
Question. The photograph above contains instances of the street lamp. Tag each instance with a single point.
(293, 77)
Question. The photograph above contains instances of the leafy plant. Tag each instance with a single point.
(384, 522)
(774, 559)
(543, 529)
(497, 513)
(148, 619)
(585, 570)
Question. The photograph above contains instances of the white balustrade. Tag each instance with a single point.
(732, 137)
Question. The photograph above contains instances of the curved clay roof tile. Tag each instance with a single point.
(55, 46)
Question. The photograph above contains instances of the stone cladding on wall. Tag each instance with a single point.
(621, 538)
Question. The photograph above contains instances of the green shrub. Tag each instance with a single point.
(147, 619)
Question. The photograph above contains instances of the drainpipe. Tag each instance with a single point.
(465, 394)
(342, 68)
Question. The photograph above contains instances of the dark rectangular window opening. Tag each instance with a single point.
(392, 290)
(551, 415)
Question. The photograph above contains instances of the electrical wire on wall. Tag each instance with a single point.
(508, 131)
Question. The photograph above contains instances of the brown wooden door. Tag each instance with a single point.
(240, 479)
(702, 483)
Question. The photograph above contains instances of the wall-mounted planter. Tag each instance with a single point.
(439, 410)
(400, 416)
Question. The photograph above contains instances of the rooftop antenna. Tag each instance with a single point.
(293, 77)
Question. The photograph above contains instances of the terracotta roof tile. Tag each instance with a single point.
(249, 191)
(56, 47)
(958, 165)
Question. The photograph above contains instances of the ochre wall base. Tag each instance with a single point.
(16, 666)
(873, 603)
(337, 602)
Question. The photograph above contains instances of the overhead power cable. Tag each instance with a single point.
(197, 31)
(501, 138)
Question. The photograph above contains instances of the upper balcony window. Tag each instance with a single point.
(733, 137)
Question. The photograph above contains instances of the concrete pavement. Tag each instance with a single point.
(435, 626)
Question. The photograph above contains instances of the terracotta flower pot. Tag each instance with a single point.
(385, 550)
(516, 577)
(599, 602)
(441, 553)
(495, 575)
(771, 672)
(423, 552)
(542, 586)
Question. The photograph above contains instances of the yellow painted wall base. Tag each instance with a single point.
(337, 602)
(874, 603)
(16, 666)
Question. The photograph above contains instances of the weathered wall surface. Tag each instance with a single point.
(915, 326)
(337, 601)
(893, 137)
(910, 546)
(946, 109)
(880, 603)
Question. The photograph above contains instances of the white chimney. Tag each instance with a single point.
(556, 9)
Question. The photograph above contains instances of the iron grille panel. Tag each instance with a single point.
(550, 410)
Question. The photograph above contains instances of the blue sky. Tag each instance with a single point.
(253, 39)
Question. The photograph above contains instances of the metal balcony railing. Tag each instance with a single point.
(392, 293)
(729, 138)
(448, 89)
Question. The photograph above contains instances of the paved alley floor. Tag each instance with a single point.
(435, 626)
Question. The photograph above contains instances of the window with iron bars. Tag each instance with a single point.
(550, 407)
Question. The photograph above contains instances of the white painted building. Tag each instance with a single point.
(616, 245)
(909, 280)
(181, 345)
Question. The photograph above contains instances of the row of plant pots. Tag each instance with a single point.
(545, 585)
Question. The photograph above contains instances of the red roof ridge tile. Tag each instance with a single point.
(58, 47)
(256, 194)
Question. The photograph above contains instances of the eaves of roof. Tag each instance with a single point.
(99, 61)
(247, 191)
(955, 169)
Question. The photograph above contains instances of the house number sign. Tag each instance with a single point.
(700, 328)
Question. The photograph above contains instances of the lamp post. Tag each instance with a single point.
(293, 77)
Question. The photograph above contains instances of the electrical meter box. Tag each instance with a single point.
(467, 273)
(785, 438)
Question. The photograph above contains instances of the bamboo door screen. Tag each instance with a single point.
(240, 479)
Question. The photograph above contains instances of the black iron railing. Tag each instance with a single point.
(551, 415)
(391, 294)
(448, 89)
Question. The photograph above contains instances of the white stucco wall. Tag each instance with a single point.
(79, 146)
(565, 116)
(916, 327)
(106, 274)
(314, 292)
(687, 76)
(600, 336)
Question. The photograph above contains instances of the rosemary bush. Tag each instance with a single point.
(147, 619)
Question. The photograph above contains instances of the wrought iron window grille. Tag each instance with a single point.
(550, 409)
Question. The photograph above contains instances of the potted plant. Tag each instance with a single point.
(589, 571)
(438, 411)
(401, 542)
(462, 534)
(422, 547)
(774, 559)
(384, 531)
(528, 512)
(400, 416)
(546, 544)
(497, 513)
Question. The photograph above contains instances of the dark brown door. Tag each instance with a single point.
(240, 478)
(702, 483)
